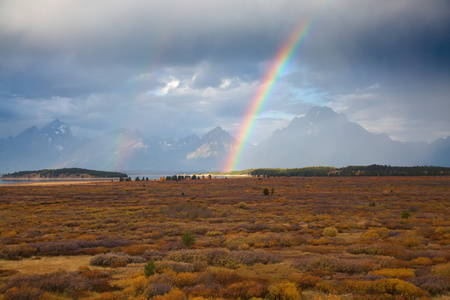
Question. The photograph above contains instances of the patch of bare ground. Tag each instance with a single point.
(45, 265)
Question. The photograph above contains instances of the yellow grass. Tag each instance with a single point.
(46, 265)
(350, 236)
(47, 183)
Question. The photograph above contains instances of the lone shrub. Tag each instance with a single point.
(370, 234)
(188, 239)
(330, 231)
(242, 205)
(149, 268)
(266, 191)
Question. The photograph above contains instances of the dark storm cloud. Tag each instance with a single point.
(384, 38)
(385, 64)
(91, 63)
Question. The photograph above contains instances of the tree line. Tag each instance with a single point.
(55, 173)
(371, 170)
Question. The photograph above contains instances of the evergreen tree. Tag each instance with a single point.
(149, 268)
(188, 239)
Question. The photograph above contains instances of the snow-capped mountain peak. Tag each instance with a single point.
(56, 130)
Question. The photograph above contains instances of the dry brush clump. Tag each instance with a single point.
(306, 280)
(330, 232)
(263, 240)
(16, 252)
(224, 258)
(365, 248)
(432, 284)
(73, 284)
(77, 247)
(402, 273)
(208, 284)
(246, 289)
(284, 290)
(334, 264)
(154, 255)
(389, 286)
(174, 266)
(115, 259)
(322, 249)
(187, 210)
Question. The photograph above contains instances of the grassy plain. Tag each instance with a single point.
(309, 238)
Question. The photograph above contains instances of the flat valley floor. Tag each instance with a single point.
(260, 238)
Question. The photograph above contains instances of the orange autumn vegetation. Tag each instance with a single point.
(315, 238)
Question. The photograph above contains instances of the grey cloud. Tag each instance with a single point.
(105, 57)
(399, 40)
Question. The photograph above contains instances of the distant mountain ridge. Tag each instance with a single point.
(38, 148)
(215, 146)
(54, 146)
(321, 137)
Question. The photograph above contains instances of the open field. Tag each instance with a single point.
(309, 238)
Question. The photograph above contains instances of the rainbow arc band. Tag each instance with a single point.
(281, 61)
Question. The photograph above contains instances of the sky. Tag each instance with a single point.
(173, 68)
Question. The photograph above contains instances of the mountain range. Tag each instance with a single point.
(321, 137)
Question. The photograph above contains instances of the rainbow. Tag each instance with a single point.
(121, 149)
(280, 63)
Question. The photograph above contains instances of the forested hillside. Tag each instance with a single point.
(372, 170)
(64, 173)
